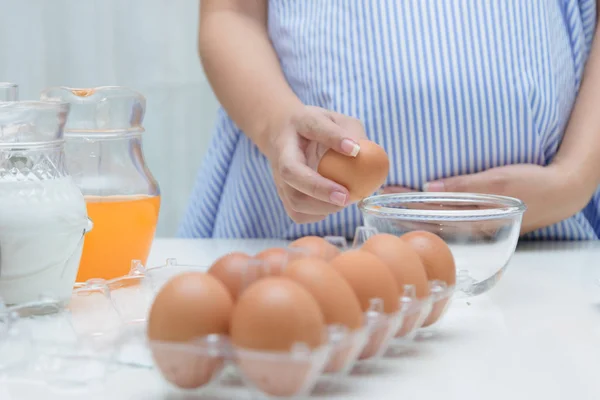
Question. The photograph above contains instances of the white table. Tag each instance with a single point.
(535, 336)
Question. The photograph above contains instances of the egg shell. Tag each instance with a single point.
(336, 298)
(361, 175)
(435, 255)
(370, 278)
(189, 306)
(316, 246)
(236, 271)
(270, 317)
(273, 314)
(402, 260)
(275, 259)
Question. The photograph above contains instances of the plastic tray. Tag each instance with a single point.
(103, 329)
(73, 346)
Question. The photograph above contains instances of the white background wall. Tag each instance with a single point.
(148, 45)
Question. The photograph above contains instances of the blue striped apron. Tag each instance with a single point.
(447, 87)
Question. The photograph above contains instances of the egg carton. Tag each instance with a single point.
(73, 346)
(213, 367)
(214, 362)
(199, 365)
(103, 329)
(209, 365)
(76, 346)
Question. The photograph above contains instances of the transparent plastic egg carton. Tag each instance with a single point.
(72, 346)
(211, 367)
(214, 367)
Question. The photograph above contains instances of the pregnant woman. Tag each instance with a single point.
(493, 96)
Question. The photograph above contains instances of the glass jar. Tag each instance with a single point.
(104, 156)
(43, 216)
(8, 91)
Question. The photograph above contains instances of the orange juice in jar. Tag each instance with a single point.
(104, 155)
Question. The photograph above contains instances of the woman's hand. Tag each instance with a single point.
(550, 193)
(294, 153)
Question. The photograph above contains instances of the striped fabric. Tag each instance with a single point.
(447, 87)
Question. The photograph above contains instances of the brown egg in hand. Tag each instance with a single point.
(361, 175)
(316, 246)
(189, 307)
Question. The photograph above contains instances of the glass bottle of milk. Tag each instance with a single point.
(104, 156)
(43, 216)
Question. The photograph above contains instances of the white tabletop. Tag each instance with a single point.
(534, 336)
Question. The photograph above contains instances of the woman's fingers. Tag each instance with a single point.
(306, 204)
(310, 183)
(292, 209)
(319, 127)
(296, 150)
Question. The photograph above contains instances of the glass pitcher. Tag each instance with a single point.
(43, 217)
(8, 91)
(104, 156)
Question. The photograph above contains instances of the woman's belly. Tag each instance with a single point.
(446, 89)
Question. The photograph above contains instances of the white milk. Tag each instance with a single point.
(42, 225)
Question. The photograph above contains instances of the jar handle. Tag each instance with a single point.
(88, 227)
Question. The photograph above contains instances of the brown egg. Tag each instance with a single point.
(435, 254)
(189, 306)
(274, 313)
(338, 303)
(361, 175)
(439, 264)
(370, 278)
(271, 316)
(316, 246)
(236, 271)
(336, 298)
(402, 259)
(275, 259)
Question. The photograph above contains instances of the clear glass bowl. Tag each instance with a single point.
(481, 230)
